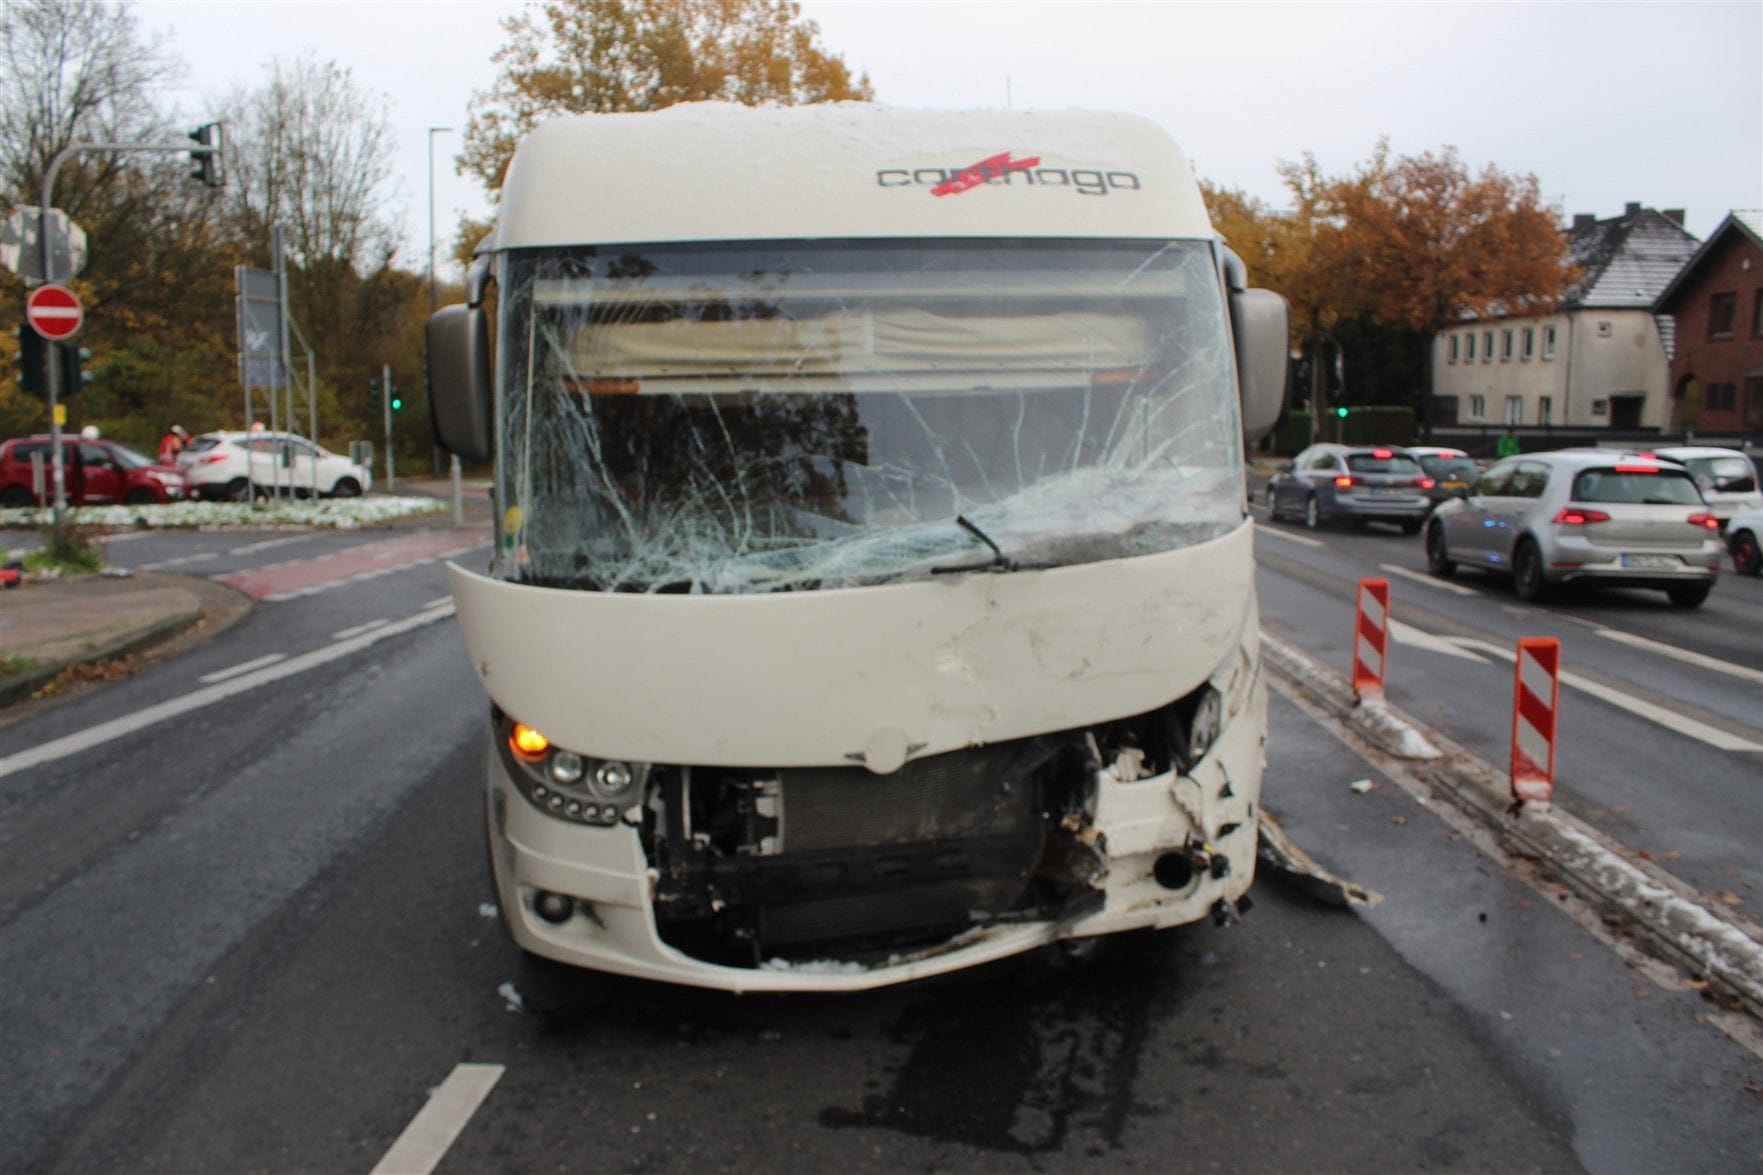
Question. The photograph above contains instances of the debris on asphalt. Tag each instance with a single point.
(511, 997)
(1360, 786)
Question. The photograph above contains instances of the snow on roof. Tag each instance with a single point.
(1628, 260)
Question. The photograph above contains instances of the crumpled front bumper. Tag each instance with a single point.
(1207, 815)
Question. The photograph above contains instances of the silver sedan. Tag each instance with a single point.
(1582, 516)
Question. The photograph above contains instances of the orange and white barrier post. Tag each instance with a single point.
(1536, 693)
(1371, 638)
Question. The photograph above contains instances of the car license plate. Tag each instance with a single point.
(1455, 485)
(1387, 492)
(1652, 562)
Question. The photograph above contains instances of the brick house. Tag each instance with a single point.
(1598, 362)
(1716, 301)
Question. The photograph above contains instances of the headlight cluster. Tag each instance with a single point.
(565, 784)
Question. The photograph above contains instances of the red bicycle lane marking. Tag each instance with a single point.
(325, 569)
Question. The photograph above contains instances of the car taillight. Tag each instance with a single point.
(211, 458)
(1426, 483)
(1572, 516)
(1707, 520)
(1346, 480)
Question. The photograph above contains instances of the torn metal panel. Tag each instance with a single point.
(1281, 853)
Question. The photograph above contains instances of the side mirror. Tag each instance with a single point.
(1286, 467)
(460, 406)
(1259, 320)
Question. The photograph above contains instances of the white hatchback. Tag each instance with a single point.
(1726, 477)
(237, 466)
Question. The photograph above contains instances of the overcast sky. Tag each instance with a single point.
(1605, 103)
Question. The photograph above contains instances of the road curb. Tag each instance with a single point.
(1670, 914)
(24, 686)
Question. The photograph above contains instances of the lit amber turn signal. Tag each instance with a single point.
(527, 742)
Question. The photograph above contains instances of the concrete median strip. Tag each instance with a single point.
(1678, 922)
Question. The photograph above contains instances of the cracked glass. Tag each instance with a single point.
(810, 415)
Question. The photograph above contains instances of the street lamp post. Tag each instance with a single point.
(453, 465)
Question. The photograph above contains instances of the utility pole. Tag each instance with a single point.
(386, 402)
(453, 465)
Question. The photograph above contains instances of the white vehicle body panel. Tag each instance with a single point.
(815, 678)
(849, 170)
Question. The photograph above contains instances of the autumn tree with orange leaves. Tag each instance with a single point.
(1414, 243)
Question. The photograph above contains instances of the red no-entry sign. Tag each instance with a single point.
(53, 312)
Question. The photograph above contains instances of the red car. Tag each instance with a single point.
(96, 473)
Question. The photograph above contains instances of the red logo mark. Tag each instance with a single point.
(979, 173)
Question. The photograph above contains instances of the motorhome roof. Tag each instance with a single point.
(715, 171)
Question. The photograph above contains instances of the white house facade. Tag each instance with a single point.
(1600, 362)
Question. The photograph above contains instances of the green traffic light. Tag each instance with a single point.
(397, 404)
(1341, 412)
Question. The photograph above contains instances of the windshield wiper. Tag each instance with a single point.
(999, 561)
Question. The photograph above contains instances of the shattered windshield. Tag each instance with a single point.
(794, 416)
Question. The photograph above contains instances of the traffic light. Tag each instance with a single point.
(208, 166)
(1341, 412)
(397, 399)
(31, 353)
(73, 373)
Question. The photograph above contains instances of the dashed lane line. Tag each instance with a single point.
(426, 1140)
(116, 728)
(1288, 536)
(1687, 656)
(242, 667)
(1429, 580)
(358, 630)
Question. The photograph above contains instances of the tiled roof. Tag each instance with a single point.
(1752, 219)
(1742, 221)
(1628, 260)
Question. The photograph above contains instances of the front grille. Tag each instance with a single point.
(957, 796)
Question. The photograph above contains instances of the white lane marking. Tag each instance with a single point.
(242, 667)
(1407, 634)
(1428, 580)
(346, 633)
(141, 719)
(1670, 719)
(131, 536)
(1288, 536)
(438, 601)
(426, 1140)
(266, 544)
(179, 562)
(1699, 660)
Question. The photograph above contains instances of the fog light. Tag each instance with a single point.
(553, 907)
(566, 767)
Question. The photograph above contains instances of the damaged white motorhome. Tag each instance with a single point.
(873, 586)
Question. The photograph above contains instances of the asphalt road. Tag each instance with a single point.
(252, 935)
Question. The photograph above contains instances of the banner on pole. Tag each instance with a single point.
(258, 295)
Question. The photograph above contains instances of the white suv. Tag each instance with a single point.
(239, 465)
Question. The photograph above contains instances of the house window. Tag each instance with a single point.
(1514, 409)
(1478, 407)
(1605, 330)
(1487, 346)
(1506, 346)
(1545, 410)
(1453, 348)
(1469, 348)
(1530, 343)
(1600, 407)
(1757, 315)
(1753, 401)
(1721, 308)
(1548, 342)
